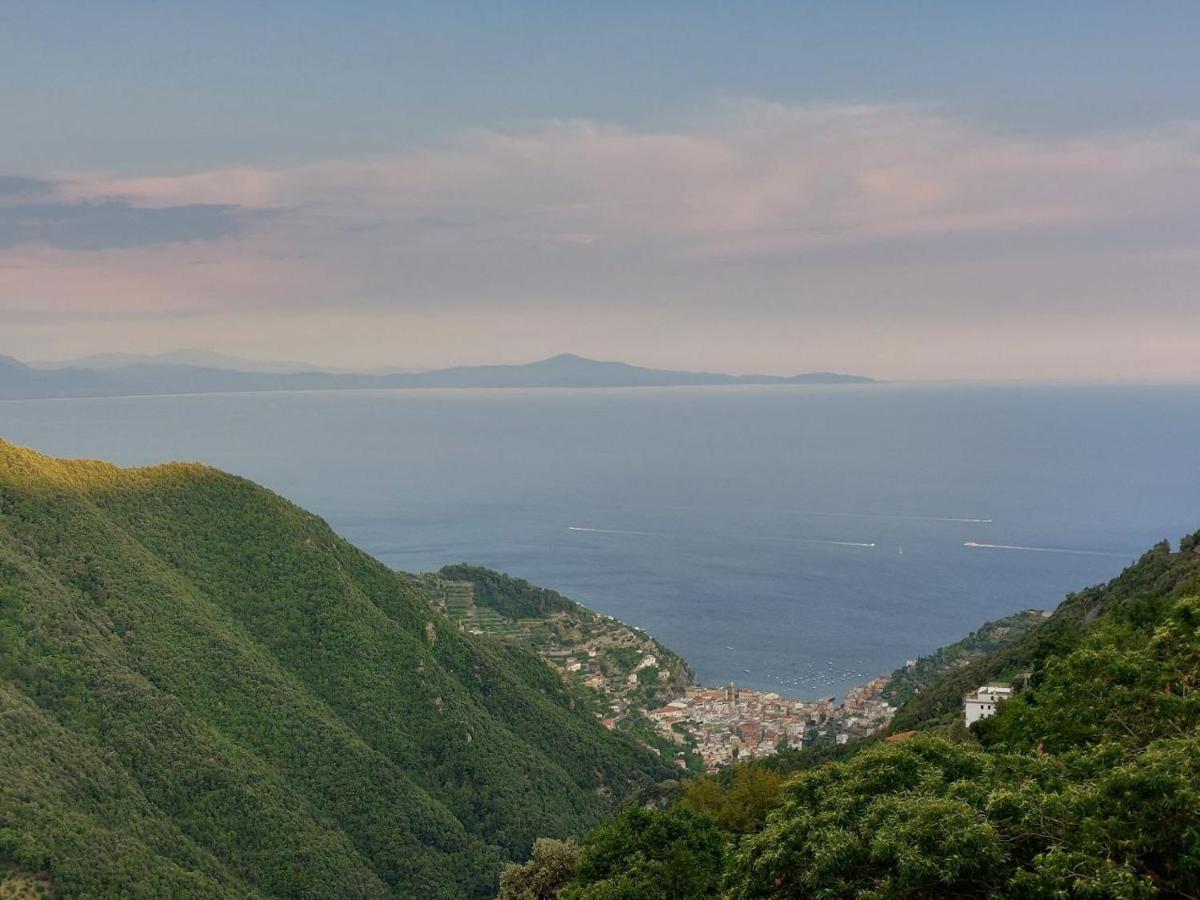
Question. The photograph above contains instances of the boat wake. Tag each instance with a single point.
(975, 545)
(614, 531)
(830, 543)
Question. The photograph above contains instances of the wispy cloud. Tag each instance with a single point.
(761, 178)
(109, 224)
(24, 187)
(863, 207)
(776, 179)
(70, 214)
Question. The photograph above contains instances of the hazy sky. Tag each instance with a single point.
(922, 190)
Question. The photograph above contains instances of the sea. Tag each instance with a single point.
(799, 539)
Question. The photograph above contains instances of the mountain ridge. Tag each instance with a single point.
(248, 705)
(205, 359)
(566, 370)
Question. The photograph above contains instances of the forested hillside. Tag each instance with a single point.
(205, 692)
(1156, 578)
(927, 671)
(562, 627)
(1084, 785)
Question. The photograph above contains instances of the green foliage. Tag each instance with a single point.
(546, 619)
(1125, 686)
(20, 884)
(552, 865)
(1138, 595)
(1085, 785)
(930, 818)
(513, 598)
(624, 658)
(789, 761)
(648, 854)
(647, 677)
(904, 683)
(739, 803)
(205, 692)
(883, 824)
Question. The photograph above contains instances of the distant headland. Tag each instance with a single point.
(191, 372)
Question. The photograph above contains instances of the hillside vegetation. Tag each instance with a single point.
(1159, 577)
(616, 670)
(1085, 785)
(905, 683)
(559, 627)
(205, 692)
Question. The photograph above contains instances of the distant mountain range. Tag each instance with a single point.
(205, 359)
(118, 375)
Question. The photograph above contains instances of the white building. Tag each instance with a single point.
(983, 702)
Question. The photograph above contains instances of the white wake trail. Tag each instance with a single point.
(614, 531)
(975, 545)
(831, 543)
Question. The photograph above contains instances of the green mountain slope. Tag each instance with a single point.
(1156, 579)
(204, 692)
(561, 627)
(905, 683)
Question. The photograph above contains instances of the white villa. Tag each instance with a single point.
(983, 702)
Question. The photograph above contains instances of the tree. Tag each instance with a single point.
(552, 865)
(644, 854)
(741, 805)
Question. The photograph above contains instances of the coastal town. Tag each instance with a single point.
(639, 685)
(724, 725)
(636, 684)
(710, 726)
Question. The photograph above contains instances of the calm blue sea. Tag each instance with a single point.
(798, 539)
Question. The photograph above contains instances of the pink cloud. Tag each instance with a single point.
(532, 213)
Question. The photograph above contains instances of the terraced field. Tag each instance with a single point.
(458, 602)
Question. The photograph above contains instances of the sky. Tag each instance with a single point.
(910, 191)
